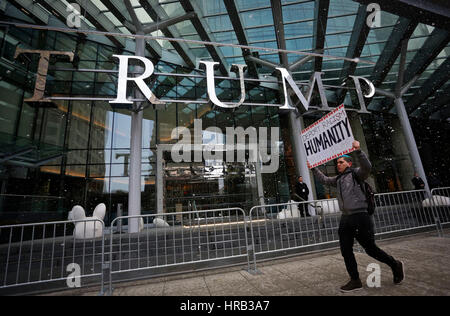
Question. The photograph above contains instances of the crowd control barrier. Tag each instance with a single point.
(82, 253)
(70, 253)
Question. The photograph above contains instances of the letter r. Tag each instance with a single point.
(123, 80)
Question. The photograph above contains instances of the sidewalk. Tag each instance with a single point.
(426, 258)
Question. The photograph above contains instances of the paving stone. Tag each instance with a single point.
(185, 285)
(426, 259)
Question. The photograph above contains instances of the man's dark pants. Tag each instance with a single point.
(303, 207)
(360, 227)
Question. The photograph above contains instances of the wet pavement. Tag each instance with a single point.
(426, 257)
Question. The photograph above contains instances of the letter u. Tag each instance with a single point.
(211, 82)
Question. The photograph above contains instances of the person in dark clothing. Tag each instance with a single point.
(418, 182)
(356, 223)
(433, 181)
(302, 191)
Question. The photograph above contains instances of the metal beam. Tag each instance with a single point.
(154, 48)
(205, 34)
(238, 27)
(92, 13)
(301, 61)
(402, 30)
(164, 23)
(441, 100)
(431, 12)
(432, 47)
(18, 153)
(58, 9)
(436, 80)
(357, 41)
(263, 62)
(277, 12)
(28, 7)
(441, 115)
(320, 29)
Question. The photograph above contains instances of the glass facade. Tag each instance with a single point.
(78, 152)
(93, 138)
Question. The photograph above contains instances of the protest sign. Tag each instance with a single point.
(328, 138)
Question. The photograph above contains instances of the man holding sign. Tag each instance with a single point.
(356, 221)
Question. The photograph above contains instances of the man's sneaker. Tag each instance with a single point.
(353, 285)
(399, 273)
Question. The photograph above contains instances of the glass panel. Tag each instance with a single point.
(120, 185)
(88, 51)
(27, 119)
(119, 170)
(220, 23)
(122, 129)
(149, 128)
(210, 7)
(257, 18)
(143, 16)
(337, 40)
(99, 171)
(298, 29)
(340, 7)
(341, 24)
(79, 125)
(100, 156)
(166, 123)
(10, 99)
(300, 11)
(101, 133)
(261, 34)
(76, 171)
(299, 44)
(246, 5)
(54, 124)
(76, 157)
(186, 115)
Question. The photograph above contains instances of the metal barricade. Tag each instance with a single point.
(441, 203)
(284, 228)
(171, 240)
(279, 227)
(42, 253)
(402, 211)
(73, 254)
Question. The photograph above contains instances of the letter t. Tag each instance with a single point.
(41, 77)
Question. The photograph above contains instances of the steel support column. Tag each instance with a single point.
(134, 197)
(296, 126)
(410, 141)
(137, 114)
(400, 90)
(159, 182)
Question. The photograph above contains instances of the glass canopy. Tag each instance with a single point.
(336, 27)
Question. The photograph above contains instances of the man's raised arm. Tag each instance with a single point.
(332, 181)
(365, 166)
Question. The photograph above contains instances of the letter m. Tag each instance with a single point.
(305, 102)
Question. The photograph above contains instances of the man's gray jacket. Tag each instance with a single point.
(351, 198)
